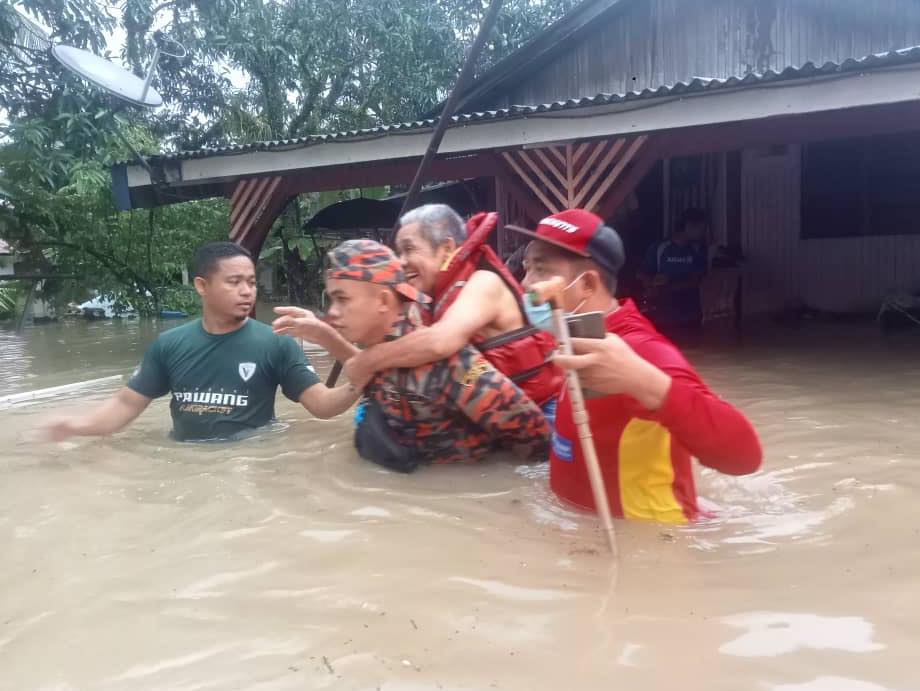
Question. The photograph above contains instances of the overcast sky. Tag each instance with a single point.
(115, 42)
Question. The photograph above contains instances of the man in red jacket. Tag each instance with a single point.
(655, 412)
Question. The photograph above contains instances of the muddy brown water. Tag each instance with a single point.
(285, 562)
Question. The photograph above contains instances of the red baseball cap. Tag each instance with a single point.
(583, 233)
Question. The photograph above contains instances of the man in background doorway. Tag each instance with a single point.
(671, 274)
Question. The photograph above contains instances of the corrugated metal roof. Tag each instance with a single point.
(698, 85)
(541, 49)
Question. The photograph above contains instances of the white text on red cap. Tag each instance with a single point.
(561, 225)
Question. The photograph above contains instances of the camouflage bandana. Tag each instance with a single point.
(371, 262)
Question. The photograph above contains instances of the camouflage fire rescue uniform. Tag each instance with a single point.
(457, 409)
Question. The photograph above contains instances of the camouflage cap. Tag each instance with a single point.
(371, 262)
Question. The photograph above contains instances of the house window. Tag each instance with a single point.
(861, 186)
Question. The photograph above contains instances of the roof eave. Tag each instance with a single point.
(604, 116)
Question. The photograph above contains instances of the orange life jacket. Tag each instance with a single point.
(522, 354)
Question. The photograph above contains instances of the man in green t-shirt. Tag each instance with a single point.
(223, 369)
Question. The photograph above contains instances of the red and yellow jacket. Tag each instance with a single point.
(645, 456)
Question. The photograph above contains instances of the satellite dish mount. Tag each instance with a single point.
(126, 86)
(160, 43)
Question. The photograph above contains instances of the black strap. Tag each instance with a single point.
(507, 337)
(527, 374)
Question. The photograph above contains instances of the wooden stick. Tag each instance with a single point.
(466, 73)
(550, 291)
(583, 424)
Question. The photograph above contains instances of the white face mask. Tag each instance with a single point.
(541, 316)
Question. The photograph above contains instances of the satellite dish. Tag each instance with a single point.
(107, 76)
(119, 82)
(116, 80)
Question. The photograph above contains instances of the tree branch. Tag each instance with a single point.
(335, 91)
(119, 270)
(306, 110)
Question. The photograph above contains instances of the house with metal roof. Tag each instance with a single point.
(792, 123)
(6, 259)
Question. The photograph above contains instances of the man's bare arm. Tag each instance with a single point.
(324, 403)
(110, 416)
(475, 307)
(302, 323)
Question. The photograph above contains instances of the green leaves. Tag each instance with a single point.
(7, 300)
(256, 70)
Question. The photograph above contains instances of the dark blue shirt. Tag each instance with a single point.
(677, 263)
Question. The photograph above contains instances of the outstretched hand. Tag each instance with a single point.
(300, 323)
(60, 428)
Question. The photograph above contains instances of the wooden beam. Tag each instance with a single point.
(634, 174)
(260, 229)
(570, 169)
(560, 155)
(244, 218)
(242, 193)
(541, 176)
(387, 173)
(533, 188)
(589, 164)
(239, 189)
(579, 152)
(268, 197)
(598, 170)
(520, 194)
(255, 239)
(615, 173)
(560, 176)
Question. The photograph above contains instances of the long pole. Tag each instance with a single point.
(469, 65)
(550, 291)
(583, 424)
(150, 70)
(450, 106)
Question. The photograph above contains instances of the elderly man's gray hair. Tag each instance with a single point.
(437, 223)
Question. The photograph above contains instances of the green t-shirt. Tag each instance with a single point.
(222, 385)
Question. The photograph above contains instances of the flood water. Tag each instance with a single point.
(285, 562)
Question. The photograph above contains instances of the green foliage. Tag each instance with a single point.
(180, 297)
(312, 66)
(58, 212)
(299, 67)
(8, 297)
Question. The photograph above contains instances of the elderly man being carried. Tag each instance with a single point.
(476, 301)
(456, 408)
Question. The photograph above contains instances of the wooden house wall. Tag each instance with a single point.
(834, 274)
(658, 42)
